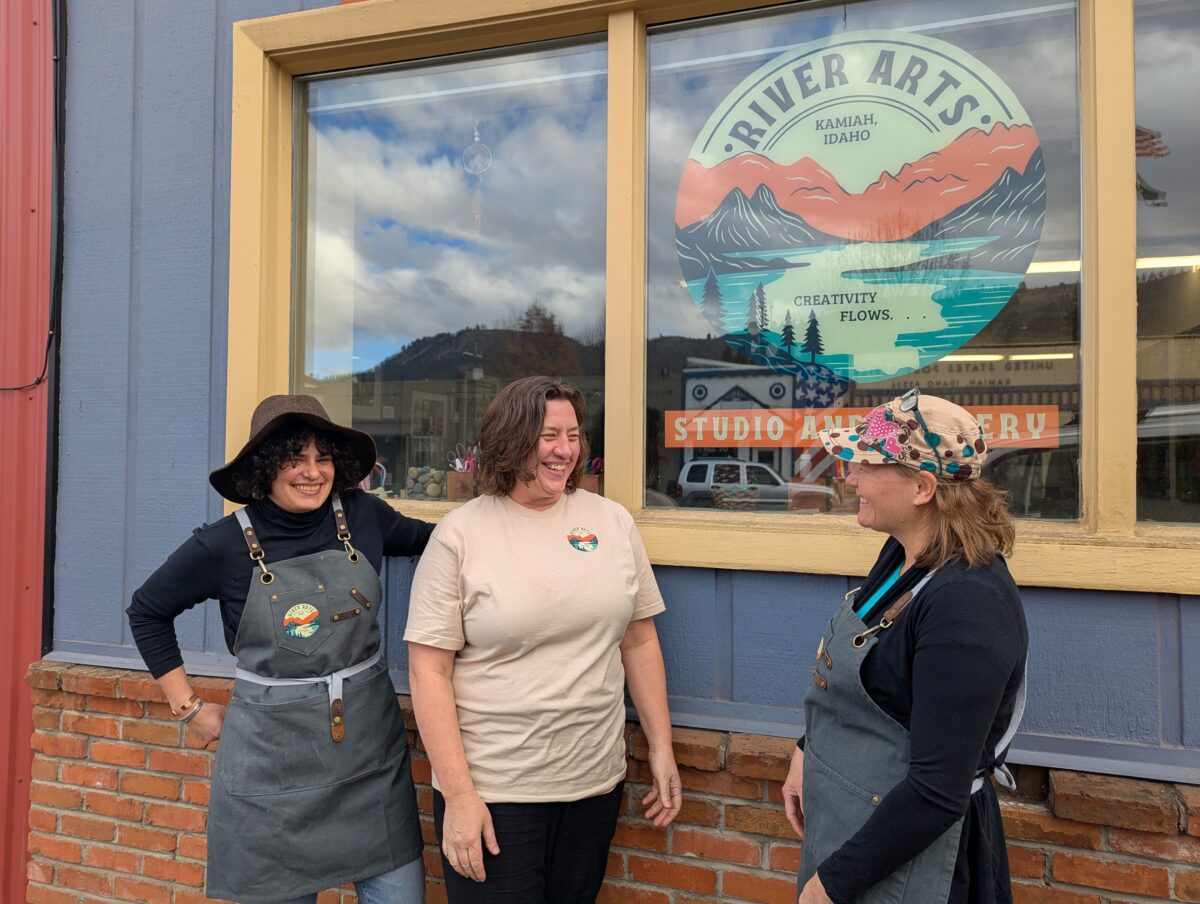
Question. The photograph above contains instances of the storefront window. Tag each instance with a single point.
(847, 202)
(450, 239)
(1167, 55)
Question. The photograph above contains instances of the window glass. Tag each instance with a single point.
(849, 201)
(728, 474)
(451, 236)
(756, 474)
(1167, 54)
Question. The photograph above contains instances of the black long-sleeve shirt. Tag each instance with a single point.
(948, 671)
(214, 564)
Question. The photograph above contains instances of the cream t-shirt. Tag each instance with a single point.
(535, 604)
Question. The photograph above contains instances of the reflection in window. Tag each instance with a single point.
(847, 202)
(451, 218)
(1167, 140)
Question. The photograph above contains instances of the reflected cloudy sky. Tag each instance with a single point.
(1167, 53)
(392, 249)
(403, 241)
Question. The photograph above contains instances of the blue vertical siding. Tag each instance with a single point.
(1094, 661)
(1114, 677)
(694, 637)
(1189, 669)
(95, 424)
(146, 237)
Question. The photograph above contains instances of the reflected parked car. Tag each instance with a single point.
(1044, 483)
(733, 483)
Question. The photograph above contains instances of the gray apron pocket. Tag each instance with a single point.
(844, 808)
(279, 748)
(301, 619)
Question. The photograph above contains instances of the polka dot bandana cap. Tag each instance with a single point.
(919, 431)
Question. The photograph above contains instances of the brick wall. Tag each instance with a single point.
(119, 797)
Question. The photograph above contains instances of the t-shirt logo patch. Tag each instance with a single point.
(302, 620)
(582, 539)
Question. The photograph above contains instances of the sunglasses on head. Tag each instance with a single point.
(908, 403)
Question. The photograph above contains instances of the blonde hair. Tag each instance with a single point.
(972, 521)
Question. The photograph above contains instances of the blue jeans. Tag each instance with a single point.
(405, 885)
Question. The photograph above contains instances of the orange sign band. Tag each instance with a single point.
(1016, 426)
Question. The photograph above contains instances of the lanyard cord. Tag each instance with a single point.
(888, 583)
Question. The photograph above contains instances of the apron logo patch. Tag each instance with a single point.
(582, 539)
(302, 620)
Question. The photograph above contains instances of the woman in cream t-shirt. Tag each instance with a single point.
(530, 613)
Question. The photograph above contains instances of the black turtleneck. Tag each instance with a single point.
(213, 564)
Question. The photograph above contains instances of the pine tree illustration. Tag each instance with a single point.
(711, 305)
(760, 307)
(753, 330)
(812, 338)
(788, 335)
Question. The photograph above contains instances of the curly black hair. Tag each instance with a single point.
(257, 471)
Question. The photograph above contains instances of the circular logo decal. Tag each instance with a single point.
(860, 206)
(583, 539)
(302, 620)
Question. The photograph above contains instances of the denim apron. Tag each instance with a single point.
(855, 753)
(312, 784)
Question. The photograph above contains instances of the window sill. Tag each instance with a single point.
(1154, 559)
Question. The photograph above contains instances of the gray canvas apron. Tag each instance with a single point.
(312, 784)
(855, 753)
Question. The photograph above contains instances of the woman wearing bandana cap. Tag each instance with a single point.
(919, 679)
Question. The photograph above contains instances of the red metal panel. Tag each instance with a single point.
(26, 159)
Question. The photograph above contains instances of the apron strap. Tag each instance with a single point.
(1003, 777)
(343, 528)
(337, 723)
(894, 610)
(256, 551)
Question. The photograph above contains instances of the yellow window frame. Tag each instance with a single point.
(1106, 549)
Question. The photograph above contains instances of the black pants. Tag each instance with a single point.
(549, 853)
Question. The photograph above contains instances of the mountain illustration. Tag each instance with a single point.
(756, 234)
(893, 207)
(742, 223)
(1011, 212)
(295, 620)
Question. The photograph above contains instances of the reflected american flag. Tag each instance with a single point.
(1149, 143)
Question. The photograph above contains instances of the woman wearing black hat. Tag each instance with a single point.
(312, 786)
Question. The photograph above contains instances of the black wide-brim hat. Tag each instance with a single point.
(280, 410)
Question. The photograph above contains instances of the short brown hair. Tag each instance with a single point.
(511, 427)
(972, 522)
